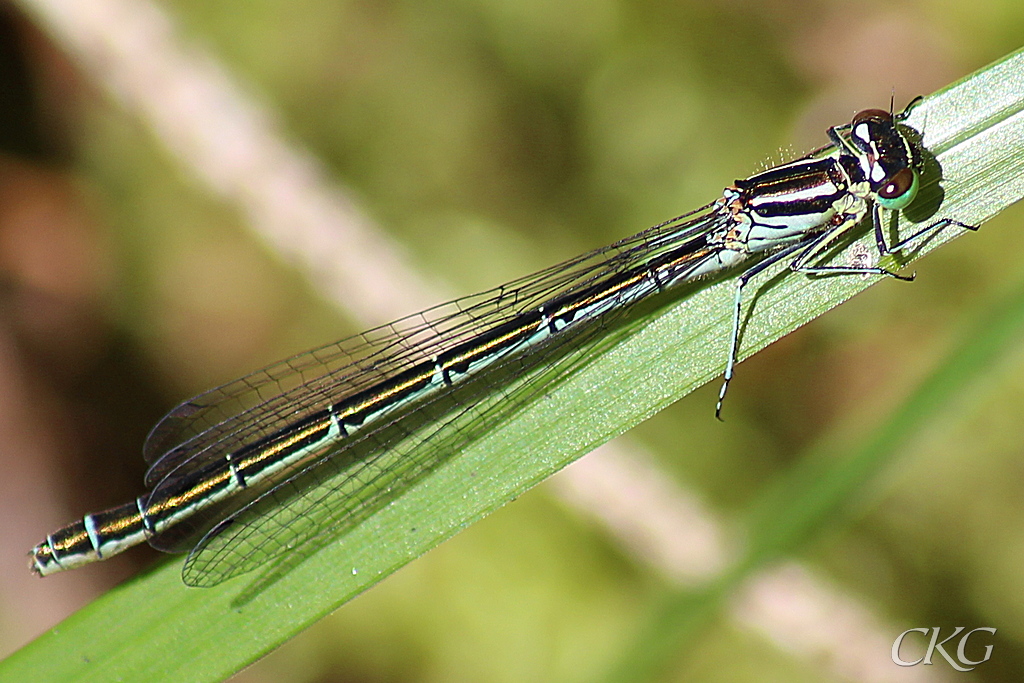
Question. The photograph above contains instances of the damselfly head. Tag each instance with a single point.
(885, 157)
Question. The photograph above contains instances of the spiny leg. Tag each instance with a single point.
(815, 246)
(840, 142)
(734, 341)
(930, 229)
(805, 250)
(809, 251)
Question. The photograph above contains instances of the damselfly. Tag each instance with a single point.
(235, 471)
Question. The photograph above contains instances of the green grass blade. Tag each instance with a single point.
(813, 496)
(976, 129)
(156, 629)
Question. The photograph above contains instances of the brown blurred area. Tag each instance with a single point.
(76, 395)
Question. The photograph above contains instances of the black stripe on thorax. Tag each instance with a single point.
(804, 187)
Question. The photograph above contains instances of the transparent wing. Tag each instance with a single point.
(357, 478)
(206, 427)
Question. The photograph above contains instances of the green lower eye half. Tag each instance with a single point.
(904, 199)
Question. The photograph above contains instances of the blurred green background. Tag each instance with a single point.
(491, 138)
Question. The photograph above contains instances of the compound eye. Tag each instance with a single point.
(880, 115)
(900, 190)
